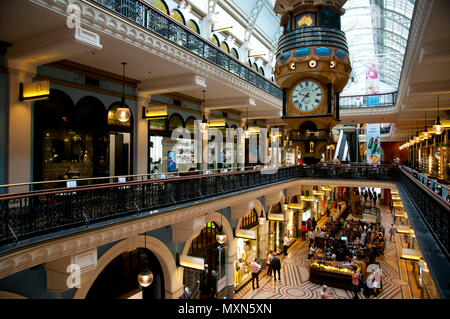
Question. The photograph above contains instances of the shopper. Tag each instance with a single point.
(365, 197)
(310, 237)
(375, 200)
(313, 223)
(323, 292)
(391, 232)
(303, 231)
(269, 263)
(286, 243)
(276, 266)
(255, 267)
(355, 282)
(308, 224)
(312, 250)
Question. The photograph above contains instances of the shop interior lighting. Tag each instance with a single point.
(262, 218)
(191, 262)
(123, 113)
(438, 127)
(276, 217)
(245, 233)
(204, 124)
(221, 237)
(155, 112)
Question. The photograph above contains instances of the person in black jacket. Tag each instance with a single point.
(276, 267)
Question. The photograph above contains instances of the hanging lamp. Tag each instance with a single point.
(221, 237)
(438, 127)
(145, 277)
(425, 132)
(204, 125)
(262, 218)
(123, 113)
(246, 131)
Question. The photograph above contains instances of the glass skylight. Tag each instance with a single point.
(377, 34)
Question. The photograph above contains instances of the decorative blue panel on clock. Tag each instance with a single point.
(285, 56)
(340, 53)
(322, 51)
(302, 52)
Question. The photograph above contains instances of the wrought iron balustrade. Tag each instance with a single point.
(31, 214)
(155, 21)
(372, 100)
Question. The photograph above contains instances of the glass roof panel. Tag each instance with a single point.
(377, 34)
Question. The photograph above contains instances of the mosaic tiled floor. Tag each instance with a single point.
(295, 282)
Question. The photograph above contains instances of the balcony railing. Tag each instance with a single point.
(155, 21)
(373, 100)
(31, 214)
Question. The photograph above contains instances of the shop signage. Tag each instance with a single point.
(245, 233)
(373, 138)
(191, 262)
(33, 91)
(309, 198)
(295, 206)
(306, 215)
(277, 217)
(154, 112)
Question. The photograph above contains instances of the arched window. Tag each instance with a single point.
(234, 53)
(113, 121)
(177, 15)
(250, 221)
(190, 124)
(224, 46)
(175, 121)
(255, 67)
(193, 26)
(215, 40)
(161, 6)
(249, 62)
(157, 125)
(261, 70)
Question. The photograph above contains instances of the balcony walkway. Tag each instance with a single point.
(398, 282)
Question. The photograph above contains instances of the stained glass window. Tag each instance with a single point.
(175, 122)
(177, 16)
(157, 125)
(190, 124)
(214, 40)
(193, 26)
(224, 46)
(160, 5)
(113, 121)
(235, 53)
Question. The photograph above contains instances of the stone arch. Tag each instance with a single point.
(10, 295)
(157, 247)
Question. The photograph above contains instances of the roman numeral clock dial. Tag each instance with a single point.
(307, 96)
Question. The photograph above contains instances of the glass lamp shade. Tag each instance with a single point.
(123, 114)
(286, 206)
(246, 133)
(261, 219)
(438, 128)
(204, 125)
(221, 238)
(425, 134)
(145, 278)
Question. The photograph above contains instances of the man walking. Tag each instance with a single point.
(391, 232)
(311, 237)
(255, 267)
(286, 243)
(276, 267)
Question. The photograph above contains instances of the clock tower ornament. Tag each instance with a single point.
(312, 68)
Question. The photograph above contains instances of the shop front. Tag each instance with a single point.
(277, 226)
(248, 237)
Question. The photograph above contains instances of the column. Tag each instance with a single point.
(19, 131)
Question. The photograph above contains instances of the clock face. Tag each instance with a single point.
(307, 96)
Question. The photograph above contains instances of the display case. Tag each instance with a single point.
(332, 273)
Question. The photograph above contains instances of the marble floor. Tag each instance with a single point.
(295, 282)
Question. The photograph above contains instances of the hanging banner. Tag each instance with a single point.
(372, 85)
(373, 151)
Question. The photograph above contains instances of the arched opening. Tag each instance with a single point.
(118, 280)
(161, 6)
(193, 26)
(261, 70)
(214, 39)
(212, 281)
(69, 141)
(224, 46)
(276, 230)
(234, 53)
(177, 15)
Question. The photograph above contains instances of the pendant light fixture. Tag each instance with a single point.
(425, 132)
(204, 125)
(438, 127)
(221, 237)
(246, 131)
(262, 218)
(123, 113)
(145, 277)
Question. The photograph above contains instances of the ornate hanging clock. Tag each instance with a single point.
(312, 68)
